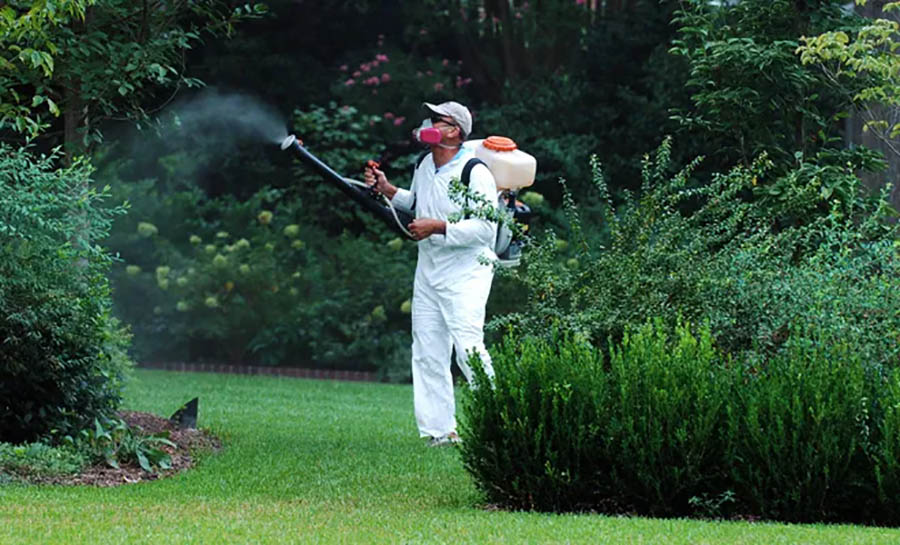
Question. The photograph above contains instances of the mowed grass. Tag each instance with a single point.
(329, 462)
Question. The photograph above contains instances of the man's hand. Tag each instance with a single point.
(376, 179)
(422, 228)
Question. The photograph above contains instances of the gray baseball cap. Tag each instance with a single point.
(455, 111)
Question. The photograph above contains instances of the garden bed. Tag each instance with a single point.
(189, 443)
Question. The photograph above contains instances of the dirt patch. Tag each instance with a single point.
(189, 443)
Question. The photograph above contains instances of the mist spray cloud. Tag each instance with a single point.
(231, 116)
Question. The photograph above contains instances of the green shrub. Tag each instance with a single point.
(666, 409)
(886, 452)
(40, 459)
(63, 359)
(671, 426)
(533, 439)
(799, 431)
(557, 429)
(716, 254)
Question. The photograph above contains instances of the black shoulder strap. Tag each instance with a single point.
(467, 170)
(467, 176)
(415, 168)
(420, 159)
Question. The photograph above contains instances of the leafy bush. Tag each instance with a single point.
(63, 359)
(671, 426)
(750, 91)
(717, 253)
(795, 428)
(669, 396)
(39, 459)
(799, 434)
(533, 434)
(561, 430)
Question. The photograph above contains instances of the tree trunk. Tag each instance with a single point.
(74, 105)
(73, 118)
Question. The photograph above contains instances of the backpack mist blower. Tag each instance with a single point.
(512, 168)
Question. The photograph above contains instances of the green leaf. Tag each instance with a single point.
(145, 464)
(8, 14)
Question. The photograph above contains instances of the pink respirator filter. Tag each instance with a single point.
(430, 135)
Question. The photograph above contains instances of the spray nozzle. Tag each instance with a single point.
(289, 141)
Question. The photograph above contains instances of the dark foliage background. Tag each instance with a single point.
(588, 82)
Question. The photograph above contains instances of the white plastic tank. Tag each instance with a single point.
(512, 168)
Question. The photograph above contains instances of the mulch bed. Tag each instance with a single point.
(188, 441)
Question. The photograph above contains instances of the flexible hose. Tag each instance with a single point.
(386, 200)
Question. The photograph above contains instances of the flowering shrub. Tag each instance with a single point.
(267, 279)
(393, 83)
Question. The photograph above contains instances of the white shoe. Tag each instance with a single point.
(447, 439)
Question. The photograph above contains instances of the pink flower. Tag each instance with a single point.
(365, 67)
(438, 86)
(580, 2)
(372, 81)
(385, 77)
(399, 121)
(423, 32)
(357, 74)
(381, 57)
(349, 82)
(518, 15)
(445, 62)
(388, 115)
(428, 73)
(374, 64)
(344, 68)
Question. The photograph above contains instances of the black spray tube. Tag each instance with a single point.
(362, 197)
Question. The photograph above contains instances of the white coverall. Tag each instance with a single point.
(451, 288)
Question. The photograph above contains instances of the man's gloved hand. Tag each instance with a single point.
(376, 179)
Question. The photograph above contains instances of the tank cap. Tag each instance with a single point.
(500, 143)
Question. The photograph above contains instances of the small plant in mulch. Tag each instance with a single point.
(129, 448)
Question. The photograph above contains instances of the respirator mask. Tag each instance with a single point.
(430, 135)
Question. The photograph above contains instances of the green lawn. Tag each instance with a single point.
(326, 462)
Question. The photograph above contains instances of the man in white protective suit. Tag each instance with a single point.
(451, 284)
